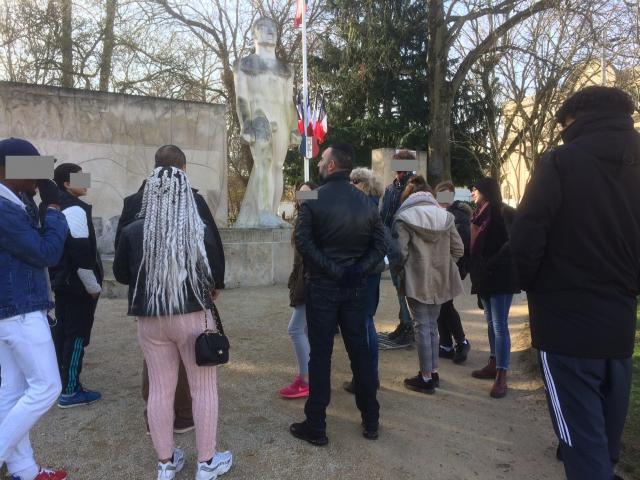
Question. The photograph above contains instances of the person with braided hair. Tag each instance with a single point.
(166, 258)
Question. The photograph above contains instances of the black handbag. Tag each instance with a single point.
(212, 347)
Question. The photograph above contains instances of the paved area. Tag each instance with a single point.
(458, 433)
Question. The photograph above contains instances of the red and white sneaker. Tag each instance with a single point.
(46, 474)
(298, 389)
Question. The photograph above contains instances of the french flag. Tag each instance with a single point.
(300, 5)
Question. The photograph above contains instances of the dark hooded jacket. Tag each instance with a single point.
(462, 215)
(576, 240)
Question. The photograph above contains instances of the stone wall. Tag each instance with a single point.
(114, 137)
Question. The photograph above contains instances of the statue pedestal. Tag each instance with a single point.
(257, 256)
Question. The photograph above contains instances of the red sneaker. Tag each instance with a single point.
(298, 389)
(46, 474)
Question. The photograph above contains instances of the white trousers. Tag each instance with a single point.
(30, 385)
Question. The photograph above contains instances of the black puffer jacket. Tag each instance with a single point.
(80, 249)
(128, 259)
(339, 229)
(462, 215)
(576, 240)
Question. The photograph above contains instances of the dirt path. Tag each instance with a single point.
(459, 433)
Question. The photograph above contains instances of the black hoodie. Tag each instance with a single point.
(576, 240)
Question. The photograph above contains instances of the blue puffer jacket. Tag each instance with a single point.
(25, 252)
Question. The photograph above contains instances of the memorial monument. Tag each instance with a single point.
(268, 123)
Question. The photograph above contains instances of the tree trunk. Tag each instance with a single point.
(107, 45)
(66, 44)
(439, 95)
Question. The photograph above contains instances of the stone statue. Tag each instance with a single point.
(268, 122)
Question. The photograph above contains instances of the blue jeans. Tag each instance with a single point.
(330, 304)
(298, 332)
(403, 315)
(373, 298)
(496, 311)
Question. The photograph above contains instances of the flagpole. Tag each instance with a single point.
(305, 94)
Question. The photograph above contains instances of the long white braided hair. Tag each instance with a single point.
(173, 255)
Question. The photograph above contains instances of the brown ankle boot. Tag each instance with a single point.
(487, 372)
(499, 389)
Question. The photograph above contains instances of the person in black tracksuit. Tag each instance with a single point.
(77, 282)
(172, 156)
(576, 247)
(449, 322)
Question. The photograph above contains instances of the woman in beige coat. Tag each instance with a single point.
(428, 246)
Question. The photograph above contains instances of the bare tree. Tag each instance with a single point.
(66, 42)
(444, 27)
(107, 44)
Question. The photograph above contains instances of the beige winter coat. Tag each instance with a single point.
(429, 245)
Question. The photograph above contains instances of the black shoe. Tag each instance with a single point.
(417, 384)
(183, 425)
(406, 337)
(303, 432)
(436, 379)
(461, 352)
(449, 354)
(349, 387)
(396, 333)
(370, 433)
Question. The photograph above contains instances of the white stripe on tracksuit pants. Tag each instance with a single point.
(588, 399)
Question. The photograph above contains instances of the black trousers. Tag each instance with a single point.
(328, 305)
(588, 402)
(71, 334)
(449, 325)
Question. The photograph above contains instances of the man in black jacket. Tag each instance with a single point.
(172, 156)
(576, 246)
(341, 239)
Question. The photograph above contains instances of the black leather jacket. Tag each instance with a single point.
(126, 264)
(339, 229)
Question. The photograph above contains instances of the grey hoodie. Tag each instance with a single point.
(428, 245)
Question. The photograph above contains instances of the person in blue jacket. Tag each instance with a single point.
(30, 378)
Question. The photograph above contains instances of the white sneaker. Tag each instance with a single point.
(167, 471)
(220, 464)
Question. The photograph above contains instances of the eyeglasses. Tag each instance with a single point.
(355, 182)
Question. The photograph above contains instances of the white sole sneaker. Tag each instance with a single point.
(221, 464)
(168, 471)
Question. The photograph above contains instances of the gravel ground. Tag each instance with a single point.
(459, 433)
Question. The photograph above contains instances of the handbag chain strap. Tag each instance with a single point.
(214, 312)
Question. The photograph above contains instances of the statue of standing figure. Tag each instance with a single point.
(268, 123)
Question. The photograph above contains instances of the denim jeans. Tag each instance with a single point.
(298, 333)
(496, 311)
(330, 304)
(373, 298)
(425, 326)
(403, 315)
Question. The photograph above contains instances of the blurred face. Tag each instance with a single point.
(18, 186)
(303, 188)
(401, 176)
(477, 197)
(75, 191)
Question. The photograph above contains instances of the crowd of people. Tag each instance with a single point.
(573, 246)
